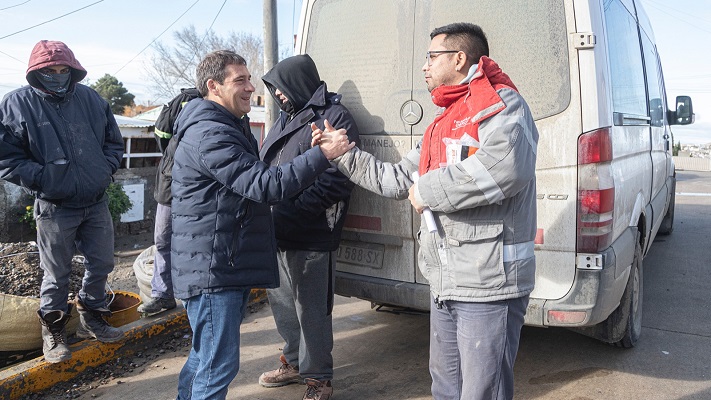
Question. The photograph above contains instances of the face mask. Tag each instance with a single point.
(55, 83)
(287, 107)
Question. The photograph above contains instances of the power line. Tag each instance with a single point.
(1, 9)
(97, 88)
(214, 19)
(207, 32)
(2, 52)
(153, 41)
(53, 19)
(674, 9)
(656, 6)
(134, 57)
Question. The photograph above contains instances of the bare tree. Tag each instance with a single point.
(173, 67)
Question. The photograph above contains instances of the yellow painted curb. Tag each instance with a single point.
(37, 375)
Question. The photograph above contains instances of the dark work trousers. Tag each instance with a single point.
(473, 347)
(302, 306)
(162, 283)
(61, 231)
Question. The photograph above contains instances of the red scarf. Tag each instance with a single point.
(462, 103)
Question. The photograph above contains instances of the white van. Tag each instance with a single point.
(590, 72)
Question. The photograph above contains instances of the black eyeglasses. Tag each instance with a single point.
(436, 53)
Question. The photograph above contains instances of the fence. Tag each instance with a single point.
(692, 163)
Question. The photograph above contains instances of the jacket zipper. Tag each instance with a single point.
(70, 146)
(240, 224)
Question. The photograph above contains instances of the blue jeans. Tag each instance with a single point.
(473, 347)
(59, 232)
(213, 363)
(162, 282)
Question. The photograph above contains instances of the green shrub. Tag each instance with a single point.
(28, 217)
(119, 202)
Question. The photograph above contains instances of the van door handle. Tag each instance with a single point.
(666, 136)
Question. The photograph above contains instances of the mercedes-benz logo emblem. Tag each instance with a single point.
(411, 112)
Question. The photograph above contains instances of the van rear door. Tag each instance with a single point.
(368, 57)
(373, 52)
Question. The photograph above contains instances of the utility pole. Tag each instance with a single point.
(271, 57)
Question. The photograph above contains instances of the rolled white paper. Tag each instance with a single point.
(429, 217)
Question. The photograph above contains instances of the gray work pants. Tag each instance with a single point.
(162, 282)
(302, 306)
(61, 231)
(473, 347)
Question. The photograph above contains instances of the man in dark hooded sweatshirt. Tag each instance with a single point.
(60, 142)
(308, 227)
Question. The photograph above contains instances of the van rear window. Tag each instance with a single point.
(372, 51)
(528, 39)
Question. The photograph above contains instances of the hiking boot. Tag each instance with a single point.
(54, 336)
(93, 324)
(284, 375)
(317, 390)
(156, 305)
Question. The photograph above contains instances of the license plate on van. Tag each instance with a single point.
(366, 254)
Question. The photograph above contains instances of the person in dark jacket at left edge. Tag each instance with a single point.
(60, 142)
(223, 242)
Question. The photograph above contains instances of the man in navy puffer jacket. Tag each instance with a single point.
(223, 237)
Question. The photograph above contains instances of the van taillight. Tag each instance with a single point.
(596, 192)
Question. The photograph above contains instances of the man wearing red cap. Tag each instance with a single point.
(60, 142)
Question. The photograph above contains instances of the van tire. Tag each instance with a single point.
(625, 322)
(667, 226)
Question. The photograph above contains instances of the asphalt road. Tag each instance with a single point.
(384, 355)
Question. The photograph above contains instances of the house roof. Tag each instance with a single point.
(148, 118)
(150, 115)
(256, 116)
(127, 122)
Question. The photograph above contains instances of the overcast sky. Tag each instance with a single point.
(108, 37)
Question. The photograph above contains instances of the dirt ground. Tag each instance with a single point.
(20, 272)
(21, 275)
(126, 250)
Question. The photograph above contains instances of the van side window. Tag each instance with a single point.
(651, 66)
(628, 91)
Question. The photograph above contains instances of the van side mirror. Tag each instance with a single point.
(684, 114)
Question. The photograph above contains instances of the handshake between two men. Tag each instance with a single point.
(334, 143)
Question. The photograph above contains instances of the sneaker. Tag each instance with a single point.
(317, 390)
(54, 336)
(156, 305)
(284, 375)
(93, 324)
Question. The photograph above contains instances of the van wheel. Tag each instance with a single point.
(624, 325)
(667, 226)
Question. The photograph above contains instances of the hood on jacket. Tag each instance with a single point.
(296, 77)
(494, 73)
(48, 53)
